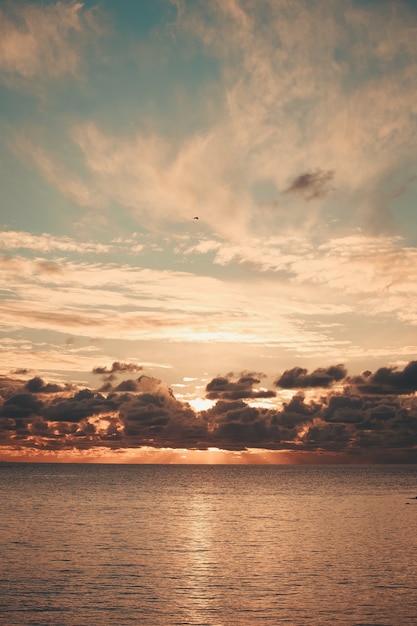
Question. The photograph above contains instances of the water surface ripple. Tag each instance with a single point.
(208, 545)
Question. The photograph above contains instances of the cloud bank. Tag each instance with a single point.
(364, 418)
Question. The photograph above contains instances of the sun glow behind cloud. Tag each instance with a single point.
(150, 455)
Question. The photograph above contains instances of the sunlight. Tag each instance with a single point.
(201, 404)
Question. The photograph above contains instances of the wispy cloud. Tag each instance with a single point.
(44, 41)
(357, 276)
(45, 243)
(315, 86)
(56, 174)
(296, 102)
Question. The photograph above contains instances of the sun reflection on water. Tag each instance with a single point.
(200, 560)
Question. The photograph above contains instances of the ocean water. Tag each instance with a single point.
(209, 545)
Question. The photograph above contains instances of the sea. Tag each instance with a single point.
(208, 545)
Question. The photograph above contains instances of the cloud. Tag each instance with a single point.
(161, 181)
(47, 243)
(291, 91)
(359, 264)
(125, 385)
(157, 418)
(387, 380)
(21, 405)
(344, 409)
(234, 423)
(82, 404)
(129, 302)
(282, 89)
(225, 388)
(334, 437)
(45, 41)
(311, 185)
(52, 169)
(37, 385)
(356, 422)
(299, 377)
(143, 384)
(118, 367)
(318, 83)
(310, 299)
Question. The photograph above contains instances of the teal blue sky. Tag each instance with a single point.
(287, 128)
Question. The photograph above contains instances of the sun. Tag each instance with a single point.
(201, 404)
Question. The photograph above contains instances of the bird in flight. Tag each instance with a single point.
(195, 218)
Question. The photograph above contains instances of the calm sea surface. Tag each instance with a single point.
(210, 545)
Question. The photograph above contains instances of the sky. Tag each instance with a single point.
(208, 231)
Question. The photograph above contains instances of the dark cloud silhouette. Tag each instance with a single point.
(312, 184)
(37, 385)
(127, 385)
(296, 411)
(387, 380)
(299, 377)
(344, 409)
(374, 415)
(83, 404)
(236, 425)
(118, 367)
(334, 437)
(233, 424)
(21, 405)
(224, 387)
(157, 418)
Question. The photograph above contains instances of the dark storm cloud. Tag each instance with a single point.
(297, 411)
(313, 184)
(397, 431)
(236, 425)
(158, 418)
(112, 373)
(18, 411)
(21, 405)
(299, 378)
(83, 404)
(128, 385)
(378, 418)
(330, 437)
(374, 414)
(344, 409)
(37, 385)
(225, 388)
(374, 418)
(387, 380)
(106, 388)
